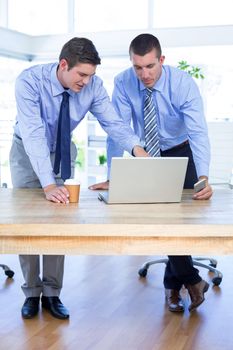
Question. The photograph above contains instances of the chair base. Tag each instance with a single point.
(216, 280)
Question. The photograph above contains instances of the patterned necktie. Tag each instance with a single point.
(62, 155)
(150, 126)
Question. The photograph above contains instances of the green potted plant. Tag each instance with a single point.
(195, 72)
(102, 159)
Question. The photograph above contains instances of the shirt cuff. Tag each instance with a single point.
(135, 141)
(46, 180)
(202, 171)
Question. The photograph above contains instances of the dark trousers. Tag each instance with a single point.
(180, 269)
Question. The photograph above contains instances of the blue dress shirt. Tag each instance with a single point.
(179, 112)
(39, 95)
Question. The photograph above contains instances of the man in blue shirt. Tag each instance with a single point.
(40, 92)
(181, 131)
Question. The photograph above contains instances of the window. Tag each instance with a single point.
(38, 17)
(183, 13)
(10, 68)
(103, 15)
(216, 88)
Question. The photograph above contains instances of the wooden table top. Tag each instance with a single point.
(30, 224)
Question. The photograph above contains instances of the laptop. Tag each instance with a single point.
(145, 180)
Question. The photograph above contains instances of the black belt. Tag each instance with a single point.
(17, 137)
(181, 145)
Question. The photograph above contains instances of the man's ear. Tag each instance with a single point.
(63, 64)
(162, 59)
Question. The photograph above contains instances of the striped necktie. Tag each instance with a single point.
(150, 126)
(62, 155)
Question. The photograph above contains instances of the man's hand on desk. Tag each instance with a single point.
(56, 194)
(138, 151)
(206, 193)
(100, 186)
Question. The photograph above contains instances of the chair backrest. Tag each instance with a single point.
(221, 141)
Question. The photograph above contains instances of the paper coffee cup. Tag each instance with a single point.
(73, 187)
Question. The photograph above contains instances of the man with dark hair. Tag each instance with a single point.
(52, 99)
(145, 43)
(81, 50)
(165, 108)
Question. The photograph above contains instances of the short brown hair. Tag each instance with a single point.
(79, 50)
(145, 43)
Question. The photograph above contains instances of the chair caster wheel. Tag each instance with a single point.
(142, 272)
(9, 273)
(213, 265)
(216, 281)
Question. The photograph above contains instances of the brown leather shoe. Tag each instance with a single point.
(174, 300)
(196, 292)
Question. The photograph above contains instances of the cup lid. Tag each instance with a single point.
(72, 182)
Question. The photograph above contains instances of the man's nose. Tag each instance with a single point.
(145, 73)
(86, 80)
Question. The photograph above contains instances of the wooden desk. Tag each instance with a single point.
(29, 224)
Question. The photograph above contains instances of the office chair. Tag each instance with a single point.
(218, 276)
(8, 272)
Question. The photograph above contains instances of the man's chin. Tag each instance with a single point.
(149, 84)
(77, 88)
